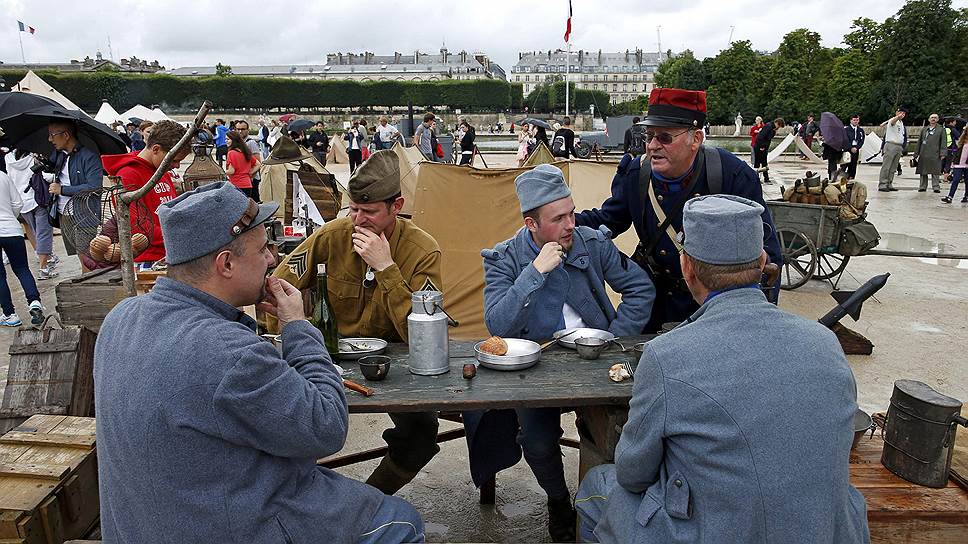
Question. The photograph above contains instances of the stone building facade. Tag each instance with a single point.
(623, 76)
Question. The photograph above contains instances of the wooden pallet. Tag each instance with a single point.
(48, 480)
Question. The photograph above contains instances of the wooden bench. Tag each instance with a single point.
(899, 511)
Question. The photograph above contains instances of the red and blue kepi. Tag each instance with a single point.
(676, 108)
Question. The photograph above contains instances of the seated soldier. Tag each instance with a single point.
(205, 433)
(375, 260)
(550, 276)
(740, 422)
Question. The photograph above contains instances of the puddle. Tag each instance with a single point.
(892, 241)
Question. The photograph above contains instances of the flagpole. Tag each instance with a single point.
(21, 40)
(567, 71)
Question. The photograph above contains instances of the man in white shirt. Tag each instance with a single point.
(388, 133)
(893, 148)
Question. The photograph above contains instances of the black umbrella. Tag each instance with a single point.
(300, 125)
(136, 120)
(28, 131)
(535, 122)
(13, 103)
(833, 131)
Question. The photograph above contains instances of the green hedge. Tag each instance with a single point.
(87, 90)
(551, 98)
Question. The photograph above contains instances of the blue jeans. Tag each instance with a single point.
(538, 437)
(956, 176)
(16, 250)
(394, 521)
(592, 498)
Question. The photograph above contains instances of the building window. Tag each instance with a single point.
(541, 68)
(527, 78)
(614, 87)
(625, 87)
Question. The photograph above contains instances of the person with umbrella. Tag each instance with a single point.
(833, 134)
(76, 167)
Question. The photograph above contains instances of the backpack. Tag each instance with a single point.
(558, 145)
(637, 141)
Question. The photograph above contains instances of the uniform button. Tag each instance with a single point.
(662, 252)
(669, 293)
(659, 198)
(667, 271)
(678, 483)
(697, 195)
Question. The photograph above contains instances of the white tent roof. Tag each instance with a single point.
(144, 114)
(31, 83)
(107, 114)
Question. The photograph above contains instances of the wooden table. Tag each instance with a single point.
(899, 511)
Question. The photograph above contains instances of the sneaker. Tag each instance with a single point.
(937, 190)
(53, 261)
(946, 199)
(10, 320)
(963, 200)
(47, 273)
(36, 313)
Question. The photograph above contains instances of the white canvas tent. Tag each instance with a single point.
(107, 114)
(778, 150)
(159, 115)
(32, 83)
(144, 114)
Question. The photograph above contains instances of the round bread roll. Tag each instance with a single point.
(139, 243)
(113, 254)
(99, 247)
(495, 345)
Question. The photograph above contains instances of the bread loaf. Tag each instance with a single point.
(495, 345)
(139, 243)
(113, 254)
(99, 247)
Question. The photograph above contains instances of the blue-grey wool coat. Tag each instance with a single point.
(739, 430)
(520, 302)
(206, 434)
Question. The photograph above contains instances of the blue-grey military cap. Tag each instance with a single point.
(539, 186)
(201, 221)
(722, 229)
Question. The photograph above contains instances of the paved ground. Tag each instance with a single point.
(918, 325)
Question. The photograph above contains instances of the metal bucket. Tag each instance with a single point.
(428, 335)
(919, 434)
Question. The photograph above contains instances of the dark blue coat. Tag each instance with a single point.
(854, 135)
(628, 207)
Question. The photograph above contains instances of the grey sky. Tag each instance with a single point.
(204, 32)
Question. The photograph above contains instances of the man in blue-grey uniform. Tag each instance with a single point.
(648, 192)
(741, 418)
(206, 433)
(550, 276)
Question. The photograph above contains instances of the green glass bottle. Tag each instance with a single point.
(323, 317)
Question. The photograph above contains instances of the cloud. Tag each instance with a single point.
(238, 32)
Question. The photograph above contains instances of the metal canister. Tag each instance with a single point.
(428, 335)
(919, 434)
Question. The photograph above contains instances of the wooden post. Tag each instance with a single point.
(126, 198)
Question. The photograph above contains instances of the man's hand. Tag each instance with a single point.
(374, 249)
(282, 301)
(55, 189)
(550, 257)
(853, 151)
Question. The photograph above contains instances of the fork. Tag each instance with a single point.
(627, 365)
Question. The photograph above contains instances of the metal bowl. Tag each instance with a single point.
(352, 349)
(590, 347)
(375, 367)
(566, 337)
(521, 354)
(862, 424)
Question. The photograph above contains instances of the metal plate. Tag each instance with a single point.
(570, 335)
(370, 346)
(521, 354)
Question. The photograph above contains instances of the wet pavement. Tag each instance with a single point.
(918, 324)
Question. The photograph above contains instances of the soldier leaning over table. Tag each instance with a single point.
(375, 261)
(551, 275)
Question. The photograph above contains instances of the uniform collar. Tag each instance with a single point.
(727, 298)
(170, 288)
(577, 255)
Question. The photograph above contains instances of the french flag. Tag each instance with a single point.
(25, 28)
(568, 26)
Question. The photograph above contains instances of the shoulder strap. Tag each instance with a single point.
(645, 188)
(714, 170)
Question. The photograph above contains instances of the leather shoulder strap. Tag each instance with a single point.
(714, 170)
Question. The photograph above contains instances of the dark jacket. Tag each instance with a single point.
(568, 144)
(467, 141)
(854, 135)
(808, 129)
(630, 207)
(318, 138)
(86, 172)
(765, 135)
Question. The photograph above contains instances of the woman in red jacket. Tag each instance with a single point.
(240, 164)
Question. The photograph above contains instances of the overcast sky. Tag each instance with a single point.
(237, 32)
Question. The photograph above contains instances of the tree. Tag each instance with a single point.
(223, 69)
(734, 80)
(683, 71)
(921, 62)
(798, 72)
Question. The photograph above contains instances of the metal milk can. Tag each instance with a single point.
(428, 335)
(919, 435)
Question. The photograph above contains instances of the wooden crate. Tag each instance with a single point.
(899, 511)
(48, 480)
(86, 299)
(51, 372)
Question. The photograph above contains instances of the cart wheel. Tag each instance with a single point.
(830, 265)
(799, 258)
(583, 150)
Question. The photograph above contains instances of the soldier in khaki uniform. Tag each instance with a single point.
(375, 260)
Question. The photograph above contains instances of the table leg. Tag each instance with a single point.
(599, 428)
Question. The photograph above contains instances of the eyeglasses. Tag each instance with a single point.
(55, 134)
(665, 138)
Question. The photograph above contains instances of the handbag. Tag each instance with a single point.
(439, 151)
